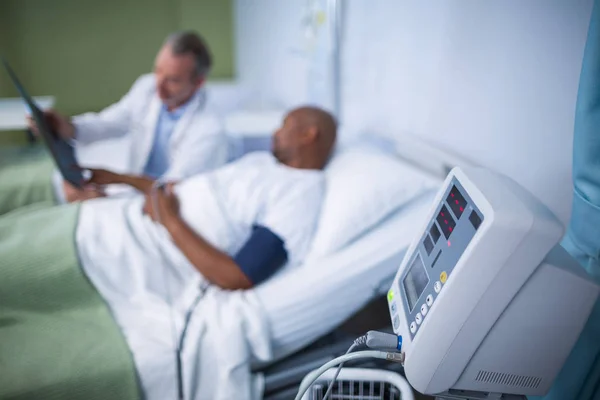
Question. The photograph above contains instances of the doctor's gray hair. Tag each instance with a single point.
(189, 42)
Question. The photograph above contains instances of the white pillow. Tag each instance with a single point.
(364, 185)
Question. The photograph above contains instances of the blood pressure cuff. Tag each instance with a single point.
(262, 255)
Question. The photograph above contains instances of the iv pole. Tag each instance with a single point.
(335, 26)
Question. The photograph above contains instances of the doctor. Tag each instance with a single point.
(172, 137)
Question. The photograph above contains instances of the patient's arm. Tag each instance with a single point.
(216, 266)
(73, 194)
(104, 177)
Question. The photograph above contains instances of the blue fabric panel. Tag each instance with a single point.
(579, 378)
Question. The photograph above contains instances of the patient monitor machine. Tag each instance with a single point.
(486, 300)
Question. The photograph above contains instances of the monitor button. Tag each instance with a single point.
(418, 318)
(413, 327)
(429, 300)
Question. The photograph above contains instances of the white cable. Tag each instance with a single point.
(313, 376)
(337, 373)
(358, 342)
(374, 340)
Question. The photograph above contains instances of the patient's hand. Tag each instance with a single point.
(162, 205)
(104, 177)
(73, 194)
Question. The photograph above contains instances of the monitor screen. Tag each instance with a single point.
(416, 281)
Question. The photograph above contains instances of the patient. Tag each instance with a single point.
(236, 225)
(233, 228)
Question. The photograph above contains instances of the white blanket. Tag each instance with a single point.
(226, 332)
(234, 333)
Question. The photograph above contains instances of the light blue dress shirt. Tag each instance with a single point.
(158, 160)
(579, 378)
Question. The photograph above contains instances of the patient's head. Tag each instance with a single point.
(305, 139)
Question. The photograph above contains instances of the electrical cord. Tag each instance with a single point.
(358, 342)
(373, 340)
(383, 355)
(392, 344)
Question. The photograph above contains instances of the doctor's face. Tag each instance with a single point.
(176, 78)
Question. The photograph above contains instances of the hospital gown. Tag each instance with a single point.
(580, 377)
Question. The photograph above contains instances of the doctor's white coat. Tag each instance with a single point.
(197, 143)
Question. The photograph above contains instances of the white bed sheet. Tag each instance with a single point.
(308, 302)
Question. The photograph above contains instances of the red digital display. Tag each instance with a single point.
(456, 201)
(446, 222)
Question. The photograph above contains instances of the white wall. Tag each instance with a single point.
(493, 81)
(269, 59)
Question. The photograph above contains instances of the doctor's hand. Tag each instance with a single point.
(73, 194)
(162, 206)
(57, 122)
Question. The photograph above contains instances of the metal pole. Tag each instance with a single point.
(335, 13)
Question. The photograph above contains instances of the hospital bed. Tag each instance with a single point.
(305, 333)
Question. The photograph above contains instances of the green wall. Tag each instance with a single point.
(214, 19)
(3, 42)
(87, 53)
(6, 138)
